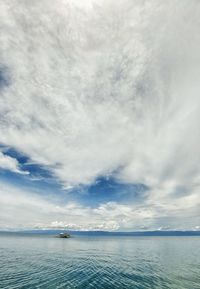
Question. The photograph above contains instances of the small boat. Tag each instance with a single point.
(64, 235)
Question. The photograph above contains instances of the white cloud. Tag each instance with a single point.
(110, 88)
(93, 91)
(11, 164)
(22, 209)
(106, 226)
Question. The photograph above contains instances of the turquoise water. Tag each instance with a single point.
(42, 261)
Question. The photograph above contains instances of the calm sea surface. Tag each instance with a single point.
(42, 261)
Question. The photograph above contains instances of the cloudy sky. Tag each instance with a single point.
(100, 114)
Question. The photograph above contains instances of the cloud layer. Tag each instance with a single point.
(22, 209)
(105, 88)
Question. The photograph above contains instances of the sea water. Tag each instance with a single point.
(43, 261)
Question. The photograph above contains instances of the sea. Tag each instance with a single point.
(41, 260)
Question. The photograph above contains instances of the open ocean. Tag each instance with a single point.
(42, 261)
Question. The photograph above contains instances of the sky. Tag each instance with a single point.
(99, 115)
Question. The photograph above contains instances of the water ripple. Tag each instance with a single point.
(46, 263)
